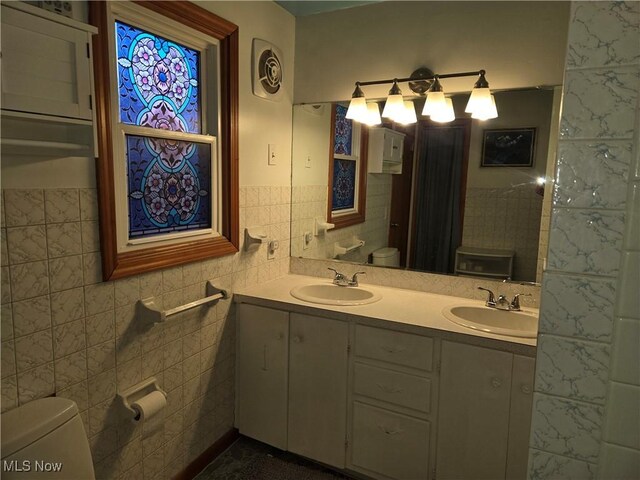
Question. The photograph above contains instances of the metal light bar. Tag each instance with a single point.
(413, 79)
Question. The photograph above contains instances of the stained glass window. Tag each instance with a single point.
(344, 184)
(157, 81)
(169, 185)
(343, 132)
(168, 179)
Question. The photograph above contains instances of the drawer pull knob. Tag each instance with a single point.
(387, 389)
(297, 339)
(525, 389)
(390, 431)
(496, 382)
(392, 349)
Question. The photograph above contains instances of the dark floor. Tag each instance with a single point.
(249, 459)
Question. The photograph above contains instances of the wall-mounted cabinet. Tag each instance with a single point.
(47, 80)
(385, 150)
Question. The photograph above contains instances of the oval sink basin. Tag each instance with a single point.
(491, 320)
(334, 295)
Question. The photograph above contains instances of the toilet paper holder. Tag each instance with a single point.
(133, 394)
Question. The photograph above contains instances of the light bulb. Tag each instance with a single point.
(408, 114)
(487, 114)
(446, 114)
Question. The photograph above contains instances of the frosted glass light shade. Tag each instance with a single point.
(408, 115)
(434, 103)
(446, 114)
(394, 107)
(490, 113)
(373, 115)
(357, 109)
(479, 101)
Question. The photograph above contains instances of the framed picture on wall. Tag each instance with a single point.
(511, 147)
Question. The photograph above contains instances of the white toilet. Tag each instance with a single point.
(387, 256)
(45, 439)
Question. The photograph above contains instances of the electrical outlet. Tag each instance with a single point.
(273, 154)
(271, 249)
(306, 240)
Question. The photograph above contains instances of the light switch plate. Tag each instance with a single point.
(273, 154)
(307, 162)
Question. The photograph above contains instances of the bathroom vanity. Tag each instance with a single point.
(388, 390)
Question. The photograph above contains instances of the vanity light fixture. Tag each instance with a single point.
(373, 115)
(358, 105)
(394, 106)
(481, 104)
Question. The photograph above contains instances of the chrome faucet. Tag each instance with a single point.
(491, 299)
(515, 303)
(502, 303)
(341, 279)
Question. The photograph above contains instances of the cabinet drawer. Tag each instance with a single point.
(389, 443)
(394, 347)
(398, 388)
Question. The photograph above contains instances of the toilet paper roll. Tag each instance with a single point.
(149, 405)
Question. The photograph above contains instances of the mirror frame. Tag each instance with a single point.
(115, 264)
(359, 216)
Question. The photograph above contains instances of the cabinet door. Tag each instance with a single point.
(45, 66)
(390, 443)
(262, 359)
(520, 416)
(318, 388)
(473, 417)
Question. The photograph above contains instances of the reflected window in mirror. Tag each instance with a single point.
(347, 170)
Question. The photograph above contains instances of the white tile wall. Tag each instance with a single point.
(65, 332)
(586, 423)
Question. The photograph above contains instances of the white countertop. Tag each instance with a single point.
(404, 307)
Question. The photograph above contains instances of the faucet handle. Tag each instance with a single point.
(337, 273)
(491, 300)
(515, 303)
(354, 279)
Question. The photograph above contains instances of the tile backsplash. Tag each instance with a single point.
(68, 333)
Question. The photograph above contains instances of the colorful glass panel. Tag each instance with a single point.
(344, 184)
(344, 132)
(169, 185)
(157, 81)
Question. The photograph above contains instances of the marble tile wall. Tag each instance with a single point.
(310, 202)
(65, 332)
(518, 229)
(587, 395)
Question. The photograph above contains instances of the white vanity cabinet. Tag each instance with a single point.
(292, 382)
(382, 400)
(262, 362)
(385, 150)
(318, 388)
(393, 385)
(485, 413)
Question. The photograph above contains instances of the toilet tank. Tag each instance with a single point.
(45, 439)
(388, 256)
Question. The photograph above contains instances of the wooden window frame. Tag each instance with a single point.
(117, 264)
(346, 220)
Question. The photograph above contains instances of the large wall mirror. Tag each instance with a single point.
(468, 197)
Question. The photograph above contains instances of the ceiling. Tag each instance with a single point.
(302, 8)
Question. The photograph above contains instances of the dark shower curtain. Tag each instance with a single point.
(437, 200)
